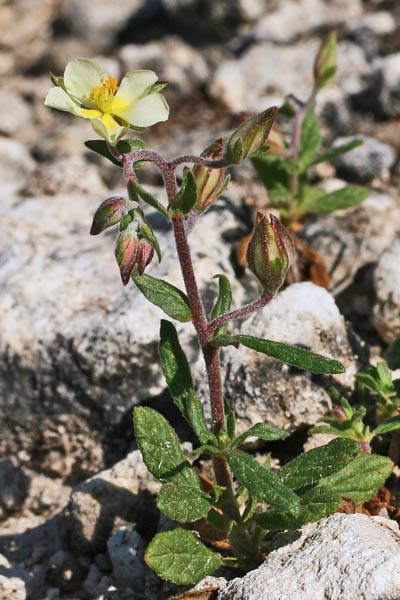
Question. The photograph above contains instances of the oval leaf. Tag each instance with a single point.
(292, 355)
(182, 502)
(161, 449)
(345, 197)
(164, 295)
(179, 556)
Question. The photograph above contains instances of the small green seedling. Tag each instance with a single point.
(286, 170)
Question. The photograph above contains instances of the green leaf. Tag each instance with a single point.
(182, 502)
(316, 504)
(123, 147)
(187, 196)
(136, 190)
(272, 170)
(147, 231)
(361, 478)
(164, 295)
(160, 448)
(263, 484)
(310, 467)
(179, 380)
(393, 355)
(292, 355)
(224, 301)
(265, 432)
(310, 139)
(346, 197)
(386, 426)
(336, 151)
(179, 556)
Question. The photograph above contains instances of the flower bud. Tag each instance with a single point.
(126, 250)
(210, 182)
(325, 61)
(250, 136)
(145, 255)
(270, 252)
(339, 412)
(109, 213)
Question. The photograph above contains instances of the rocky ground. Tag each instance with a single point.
(77, 351)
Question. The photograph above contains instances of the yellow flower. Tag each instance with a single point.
(87, 91)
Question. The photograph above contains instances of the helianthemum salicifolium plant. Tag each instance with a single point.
(218, 521)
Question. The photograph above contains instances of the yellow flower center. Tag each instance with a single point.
(103, 94)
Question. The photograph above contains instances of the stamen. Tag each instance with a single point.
(103, 94)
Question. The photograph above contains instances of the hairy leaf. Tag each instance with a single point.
(179, 556)
(361, 478)
(346, 197)
(265, 432)
(298, 357)
(187, 195)
(183, 503)
(386, 426)
(224, 301)
(336, 151)
(179, 380)
(308, 468)
(160, 448)
(136, 190)
(261, 482)
(164, 295)
(310, 139)
(123, 147)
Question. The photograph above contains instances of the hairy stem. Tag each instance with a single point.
(240, 312)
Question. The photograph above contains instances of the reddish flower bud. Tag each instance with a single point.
(145, 255)
(339, 413)
(109, 213)
(270, 252)
(250, 136)
(210, 182)
(126, 250)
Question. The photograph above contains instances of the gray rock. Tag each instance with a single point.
(18, 113)
(12, 588)
(220, 19)
(261, 389)
(364, 163)
(14, 485)
(352, 557)
(67, 322)
(118, 495)
(126, 551)
(15, 166)
(291, 20)
(98, 27)
(255, 80)
(389, 96)
(349, 239)
(174, 61)
(386, 311)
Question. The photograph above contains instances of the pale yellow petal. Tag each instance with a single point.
(81, 76)
(108, 128)
(132, 87)
(58, 98)
(145, 112)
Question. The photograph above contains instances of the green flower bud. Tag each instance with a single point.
(250, 136)
(210, 182)
(109, 213)
(270, 252)
(325, 61)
